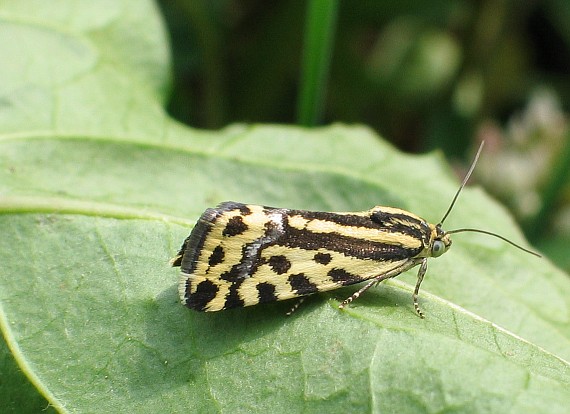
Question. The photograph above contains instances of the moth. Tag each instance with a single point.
(243, 254)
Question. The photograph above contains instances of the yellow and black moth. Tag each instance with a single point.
(242, 254)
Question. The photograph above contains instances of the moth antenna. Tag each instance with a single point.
(471, 168)
(464, 182)
(495, 235)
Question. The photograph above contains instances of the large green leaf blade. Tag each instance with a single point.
(97, 314)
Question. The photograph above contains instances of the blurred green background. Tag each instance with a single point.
(426, 75)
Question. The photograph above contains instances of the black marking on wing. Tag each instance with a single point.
(205, 292)
(235, 227)
(301, 284)
(266, 292)
(342, 276)
(217, 256)
(322, 258)
(233, 275)
(279, 264)
(349, 246)
(233, 300)
(244, 210)
(351, 220)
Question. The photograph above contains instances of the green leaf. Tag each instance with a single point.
(18, 395)
(98, 188)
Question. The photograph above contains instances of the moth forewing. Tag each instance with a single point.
(241, 255)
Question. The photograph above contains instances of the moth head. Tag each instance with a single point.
(441, 242)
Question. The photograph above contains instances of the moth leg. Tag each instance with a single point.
(392, 273)
(421, 273)
(356, 294)
(296, 305)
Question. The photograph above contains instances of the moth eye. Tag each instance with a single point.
(438, 248)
